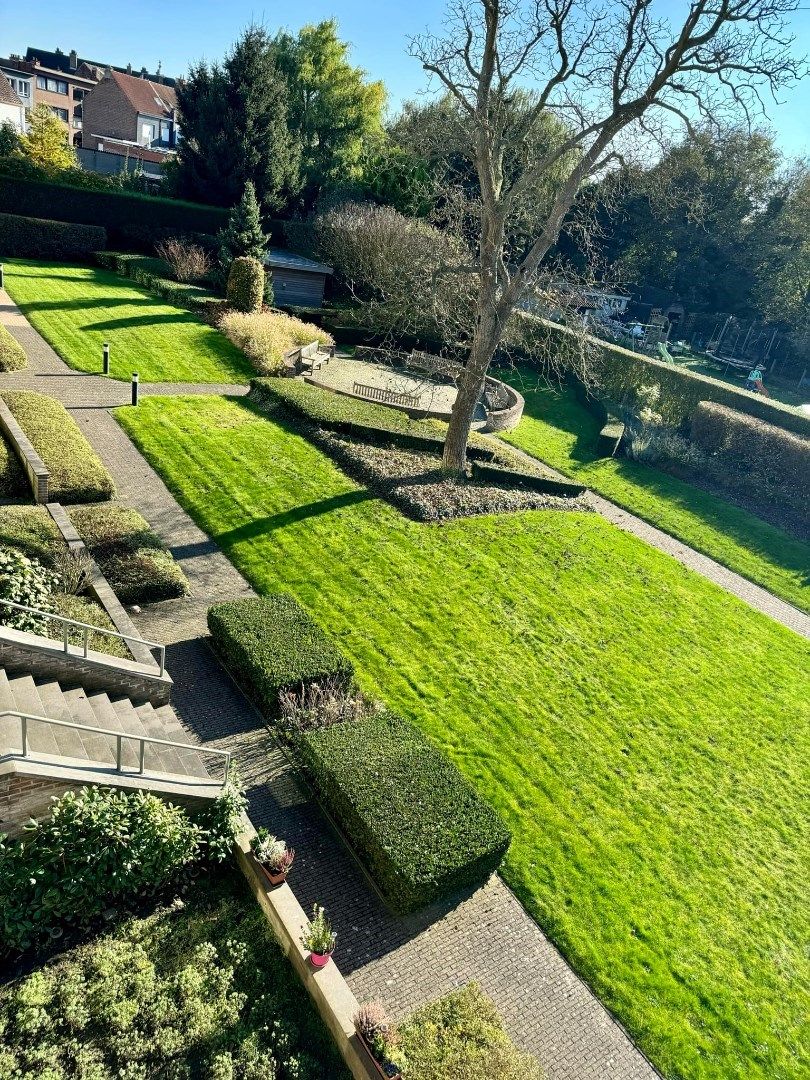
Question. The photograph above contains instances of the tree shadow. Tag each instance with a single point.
(143, 320)
(87, 304)
(262, 526)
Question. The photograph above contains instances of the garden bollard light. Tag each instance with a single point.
(1, 275)
(134, 387)
(106, 358)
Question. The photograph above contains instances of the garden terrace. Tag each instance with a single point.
(79, 308)
(589, 687)
(558, 430)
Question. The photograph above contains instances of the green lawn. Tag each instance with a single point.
(642, 732)
(78, 308)
(557, 429)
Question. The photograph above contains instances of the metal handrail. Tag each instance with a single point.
(119, 736)
(87, 627)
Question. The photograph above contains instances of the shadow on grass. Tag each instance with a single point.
(144, 320)
(262, 526)
(85, 303)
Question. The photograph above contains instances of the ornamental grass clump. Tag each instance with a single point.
(321, 704)
(265, 336)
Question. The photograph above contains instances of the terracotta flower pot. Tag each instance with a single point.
(319, 960)
(274, 879)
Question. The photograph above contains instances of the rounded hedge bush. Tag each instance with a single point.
(245, 290)
(12, 354)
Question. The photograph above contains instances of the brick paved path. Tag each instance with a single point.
(484, 934)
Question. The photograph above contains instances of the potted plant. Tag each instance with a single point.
(379, 1036)
(319, 938)
(273, 856)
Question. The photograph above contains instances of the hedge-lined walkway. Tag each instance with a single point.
(486, 935)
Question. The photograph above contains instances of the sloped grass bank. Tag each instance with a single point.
(641, 732)
(77, 308)
(558, 430)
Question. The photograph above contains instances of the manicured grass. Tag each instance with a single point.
(78, 308)
(642, 732)
(557, 429)
(198, 989)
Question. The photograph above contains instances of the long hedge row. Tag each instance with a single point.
(77, 472)
(42, 238)
(131, 219)
(153, 274)
(620, 372)
(417, 825)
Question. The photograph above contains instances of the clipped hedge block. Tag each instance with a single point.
(152, 274)
(12, 354)
(352, 416)
(41, 238)
(77, 472)
(506, 477)
(419, 827)
(245, 288)
(270, 643)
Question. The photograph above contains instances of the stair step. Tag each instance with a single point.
(41, 737)
(71, 743)
(98, 747)
(162, 723)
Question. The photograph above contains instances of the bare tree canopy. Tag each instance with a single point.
(611, 72)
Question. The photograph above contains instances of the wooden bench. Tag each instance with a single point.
(385, 397)
(308, 357)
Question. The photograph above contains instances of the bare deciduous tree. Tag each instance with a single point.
(607, 70)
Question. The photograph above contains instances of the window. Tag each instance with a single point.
(61, 113)
(148, 133)
(78, 93)
(21, 86)
(55, 86)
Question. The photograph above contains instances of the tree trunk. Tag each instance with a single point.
(471, 384)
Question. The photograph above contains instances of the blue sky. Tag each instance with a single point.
(179, 31)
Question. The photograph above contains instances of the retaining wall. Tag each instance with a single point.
(35, 468)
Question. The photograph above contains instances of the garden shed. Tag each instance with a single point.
(297, 282)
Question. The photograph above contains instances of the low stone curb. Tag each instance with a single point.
(328, 989)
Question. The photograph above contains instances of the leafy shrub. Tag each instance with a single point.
(32, 530)
(77, 474)
(352, 416)
(459, 1035)
(245, 288)
(264, 337)
(98, 845)
(747, 453)
(130, 555)
(24, 581)
(181, 992)
(418, 826)
(271, 644)
(41, 238)
(189, 262)
(126, 216)
(12, 354)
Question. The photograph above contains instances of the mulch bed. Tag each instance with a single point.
(415, 483)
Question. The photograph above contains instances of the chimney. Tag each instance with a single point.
(73, 60)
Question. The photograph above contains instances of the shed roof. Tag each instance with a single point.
(288, 260)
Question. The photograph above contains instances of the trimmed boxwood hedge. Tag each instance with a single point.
(42, 238)
(270, 643)
(418, 826)
(12, 354)
(77, 473)
(130, 218)
(352, 416)
(153, 274)
(506, 477)
(132, 558)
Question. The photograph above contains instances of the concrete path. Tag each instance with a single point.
(484, 934)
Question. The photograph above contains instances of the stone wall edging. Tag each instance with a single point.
(36, 470)
(328, 989)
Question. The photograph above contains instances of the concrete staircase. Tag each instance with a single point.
(93, 708)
